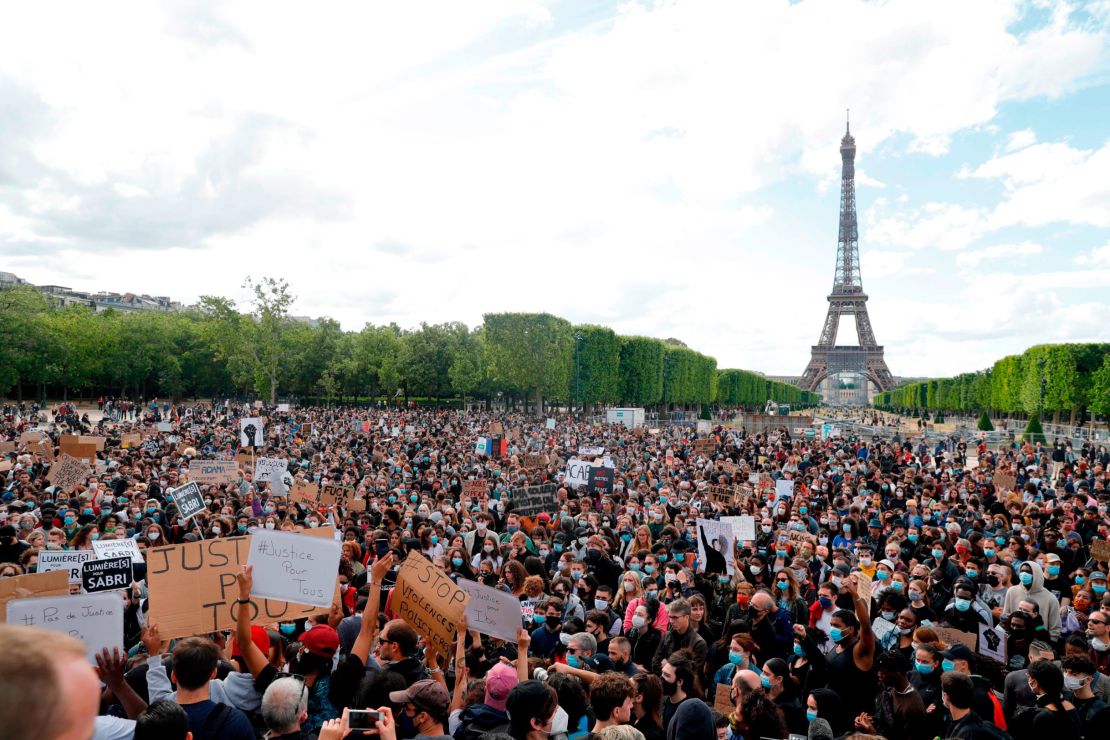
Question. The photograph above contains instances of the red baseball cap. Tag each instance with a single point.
(321, 640)
(259, 637)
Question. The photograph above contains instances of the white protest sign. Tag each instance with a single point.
(126, 548)
(716, 547)
(882, 627)
(164, 426)
(283, 407)
(491, 611)
(251, 432)
(591, 451)
(67, 560)
(480, 446)
(743, 527)
(578, 473)
(294, 568)
(270, 469)
(94, 619)
(784, 489)
(992, 643)
(550, 423)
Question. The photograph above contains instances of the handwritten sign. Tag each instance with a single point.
(32, 584)
(496, 429)
(863, 586)
(106, 575)
(94, 619)
(193, 590)
(578, 472)
(189, 500)
(953, 636)
(743, 527)
(213, 472)
(550, 423)
(69, 561)
(130, 439)
(1100, 550)
(491, 611)
(429, 602)
(532, 500)
(68, 472)
(722, 699)
(475, 488)
(300, 570)
(305, 493)
(1004, 481)
(531, 462)
(125, 548)
(705, 446)
(270, 470)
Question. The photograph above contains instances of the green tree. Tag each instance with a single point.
(641, 370)
(597, 360)
(1033, 430)
(530, 353)
(985, 424)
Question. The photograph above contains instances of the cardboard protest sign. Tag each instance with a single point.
(953, 636)
(337, 495)
(475, 488)
(213, 472)
(189, 500)
(69, 561)
(68, 472)
(798, 537)
(130, 439)
(496, 429)
(93, 440)
(723, 495)
(881, 628)
(244, 460)
(193, 590)
(705, 446)
(305, 493)
(125, 548)
(300, 570)
(32, 584)
(306, 430)
(6, 447)
(578, 472)
(531, 462)
(106, 575)
(30, 438)
(94, 619)
(86, 452)
(532, 500)
(491, 611)
(992, 643)
(252, 433)
(863, 586)
(716, 547)
(1100, 550)
(722, 699)
(601, 479)
(429, 602)
(1004, 481)
(784, 489)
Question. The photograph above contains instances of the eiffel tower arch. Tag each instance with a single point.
(828, 360)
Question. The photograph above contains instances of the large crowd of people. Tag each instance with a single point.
(896, 591)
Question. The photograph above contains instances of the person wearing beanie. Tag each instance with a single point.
(692, 721)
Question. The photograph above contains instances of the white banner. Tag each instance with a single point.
(94, 619)
(578, 473)
(125, 548)
(294, 568)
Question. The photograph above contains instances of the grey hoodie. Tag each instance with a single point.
(1039, 595)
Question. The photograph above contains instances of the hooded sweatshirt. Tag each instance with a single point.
(1039, 595)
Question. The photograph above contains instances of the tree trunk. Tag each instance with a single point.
(539, 403)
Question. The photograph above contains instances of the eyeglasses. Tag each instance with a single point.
(573, 650)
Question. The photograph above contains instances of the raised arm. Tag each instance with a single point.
(252, 656)
(368, 630)
(109, 666)
(864, 652)
(523, 640)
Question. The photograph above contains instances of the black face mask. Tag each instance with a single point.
(669, 687)
(992, 579)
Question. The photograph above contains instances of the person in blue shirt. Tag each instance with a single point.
(545, 637)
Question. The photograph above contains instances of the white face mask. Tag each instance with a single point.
(560, 721)
(269, 525)
(757, 569)
(638, 621)
(153, 536)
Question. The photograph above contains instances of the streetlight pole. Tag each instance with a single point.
(577, 339)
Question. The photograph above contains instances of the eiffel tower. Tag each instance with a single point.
(847, 298)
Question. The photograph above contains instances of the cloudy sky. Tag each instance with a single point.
(668, 169)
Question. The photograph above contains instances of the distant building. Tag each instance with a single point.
(63, 296)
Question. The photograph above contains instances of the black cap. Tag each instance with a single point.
(959, 651)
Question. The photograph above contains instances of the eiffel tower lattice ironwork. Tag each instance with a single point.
(847, 298)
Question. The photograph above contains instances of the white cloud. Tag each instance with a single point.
(1097, 257)
(1001, 252)
(1021, 139)
(944, 226)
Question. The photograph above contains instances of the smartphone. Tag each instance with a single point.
(381, 546)
(363, 719)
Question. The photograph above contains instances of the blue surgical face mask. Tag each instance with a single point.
(947, 665)
(736, 658)
(972, 573)
(882, 575)
(1080, 580)
(923, 668)
(799, 650)
(836, 634)
(649, 569)
(457, 562)
(912, 537)
(783, 585)
(558, 547)
(573, 661)
(938, 554)
(1000, 541)
(539, 618)
(897, 586)
(811, 715)
(989, 552)
(1098, 588)
(1054, 570)
(963, 604)
(1026, 579)
(434, 538)
(766, 682)
(287, 629)
(68, 520)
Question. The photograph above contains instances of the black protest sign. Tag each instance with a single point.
(106, 575)
(189, 500)
(601, 479)
(532, 500)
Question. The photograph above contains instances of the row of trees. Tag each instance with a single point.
(216, 350)
(1057, 379)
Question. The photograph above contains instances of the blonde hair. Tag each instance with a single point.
(621, 732)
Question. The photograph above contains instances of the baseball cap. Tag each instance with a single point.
(499, 682)
(321, 640)
(258, 637)
(959, 651)
(428, 695)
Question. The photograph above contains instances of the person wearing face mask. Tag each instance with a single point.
(1051, 716)
(548, 618)
(850, 662)
(957, 691)
(965, 612)
(807, 663)
(680, 635)
(1031, 587)
(532, 706)
(1093, 712)
(993, 592)
(644, 636)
